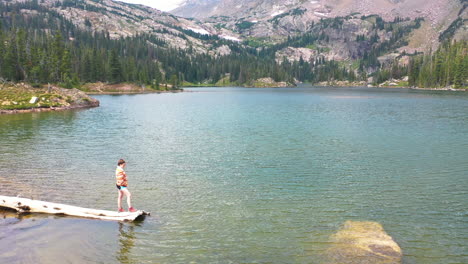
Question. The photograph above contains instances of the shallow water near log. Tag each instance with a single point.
(235, 175)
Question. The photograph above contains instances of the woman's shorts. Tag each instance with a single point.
(121, 187)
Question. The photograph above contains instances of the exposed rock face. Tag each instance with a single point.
(363, 243)
(434, 10)
(223, 50)
(241, 8)
(295, 54)
(341, 43)
(196, 8)
(278, 18)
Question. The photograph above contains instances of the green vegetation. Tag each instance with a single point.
(258, 42)
(244, 25)
(189, 84)
(448, 66)
(225, 82)
(219, 26)
(294, 12)
(12, 97)
(450, 31)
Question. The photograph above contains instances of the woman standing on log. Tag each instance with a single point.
(122, 184)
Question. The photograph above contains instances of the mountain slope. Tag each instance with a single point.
(276, 19)
(120, 19)
(434, 10)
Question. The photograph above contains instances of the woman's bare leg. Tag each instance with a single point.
(129, 197)
(119, 199)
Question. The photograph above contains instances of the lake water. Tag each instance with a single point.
(234, 175)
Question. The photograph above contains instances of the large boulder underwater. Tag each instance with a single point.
(361, 242)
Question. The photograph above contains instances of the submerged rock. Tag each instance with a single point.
(363, 243)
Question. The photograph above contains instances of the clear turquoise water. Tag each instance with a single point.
(236, 175)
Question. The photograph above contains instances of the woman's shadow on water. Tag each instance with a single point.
(126, 241)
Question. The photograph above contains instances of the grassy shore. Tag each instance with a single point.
(21, 97)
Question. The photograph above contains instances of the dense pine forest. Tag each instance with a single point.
(43, 47)
(448, 66)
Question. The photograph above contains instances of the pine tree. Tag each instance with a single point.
(21, 55)
(56, 55)
(115, 67)
(10, 60)
(65, 65)
(173, 81)
(35, 71)
(2, 48)
(97, 68)
(459, 72)
(85, 67)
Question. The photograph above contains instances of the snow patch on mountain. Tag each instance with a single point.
(199, 30)
(321, 14)
(277, 13)
(230, 38)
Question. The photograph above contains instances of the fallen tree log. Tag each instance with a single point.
(24, 205)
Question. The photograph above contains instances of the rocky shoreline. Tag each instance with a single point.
(384, 85)
(134, 92)
(45, 109)
(125, 88)
(439, 89)
(268, 83)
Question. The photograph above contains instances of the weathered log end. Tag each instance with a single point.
(24, 205)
